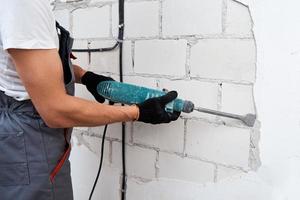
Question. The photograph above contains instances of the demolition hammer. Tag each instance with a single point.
(132, 94)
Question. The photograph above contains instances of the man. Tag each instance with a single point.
(37, 107)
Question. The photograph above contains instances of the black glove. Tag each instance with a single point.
(153, 110)
(91, 80)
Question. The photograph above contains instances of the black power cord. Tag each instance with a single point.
(101, 162)
(119, 44)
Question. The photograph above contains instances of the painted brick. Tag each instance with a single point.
(63, 17)
(141, 19)
(238, 19)
(221, 144)
(160, 57)
(224, 173)
(237, 99)
(140, 162)
(91, 22)
(175, 167)
(168, 137)
(102, 62)
(190, 17)
(232, 59)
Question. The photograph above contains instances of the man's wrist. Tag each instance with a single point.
(135, 112)
(79, 72)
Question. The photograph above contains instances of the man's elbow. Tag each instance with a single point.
(55, 119)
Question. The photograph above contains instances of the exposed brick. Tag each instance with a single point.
(237, 99)
(63, 17)
(221, 144)
(167, 137)
(190, 17)
(141, 19)
(139, 161)
(176, 167)
(91, 22)
(238, 19)
(160, 57)
(232, 59)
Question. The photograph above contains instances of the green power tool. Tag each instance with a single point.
(132, 94)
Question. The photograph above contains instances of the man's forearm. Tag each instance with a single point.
(74, 111)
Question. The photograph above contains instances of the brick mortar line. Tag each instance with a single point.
(216, 174)
(224, 16)
(110, 21)
(219, 100)
(187, 61)
(132, 55)
(156, 165)
(184, 137)
(160, 11)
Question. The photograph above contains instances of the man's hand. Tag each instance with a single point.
(153, 110)
(91, 80)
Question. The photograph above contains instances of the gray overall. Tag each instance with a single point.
(34, 161)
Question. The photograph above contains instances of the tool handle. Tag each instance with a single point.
(132, 94)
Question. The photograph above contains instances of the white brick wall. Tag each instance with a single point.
(165, 137)
(163, 57)
(91, 22)
(141, 19)
(238, 19)
(191, 17)
(218, 143)
(205, 50)
(175, 167)
(232, 59)
(140, 161)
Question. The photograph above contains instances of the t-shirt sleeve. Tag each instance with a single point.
(27, 25)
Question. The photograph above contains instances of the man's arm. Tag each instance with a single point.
(42, 75)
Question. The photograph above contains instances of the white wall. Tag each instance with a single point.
(210, 58)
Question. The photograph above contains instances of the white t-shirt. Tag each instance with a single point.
(23, 25)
